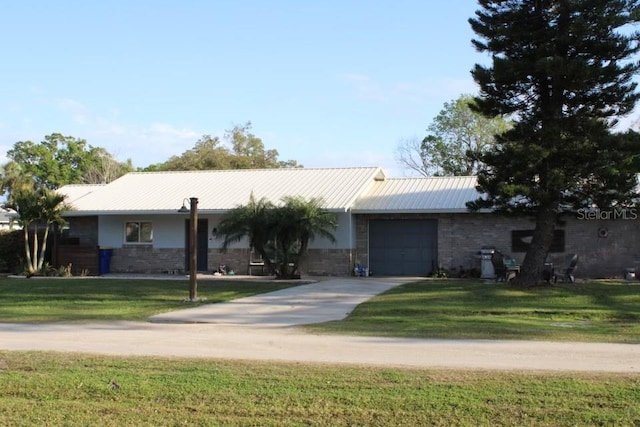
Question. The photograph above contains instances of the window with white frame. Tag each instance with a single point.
(138, 232)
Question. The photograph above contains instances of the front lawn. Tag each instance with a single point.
(42, 389)
(87, 299)
(604, 311)
(78, 390)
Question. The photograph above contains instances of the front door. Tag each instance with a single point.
(203, 244)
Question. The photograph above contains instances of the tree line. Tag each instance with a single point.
(33, 172)
(61, 160)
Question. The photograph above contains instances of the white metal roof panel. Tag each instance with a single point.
(73, 192)
(414, 195)
(218, 191)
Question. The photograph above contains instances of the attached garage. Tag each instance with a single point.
(403, 247)
(403, 224)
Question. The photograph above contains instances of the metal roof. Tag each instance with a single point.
(219, 191)
(74, 192)
(419, 195)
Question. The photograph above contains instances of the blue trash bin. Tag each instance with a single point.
(104, 257)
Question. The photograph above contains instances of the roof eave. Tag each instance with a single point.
(415, 211)
(78, 213)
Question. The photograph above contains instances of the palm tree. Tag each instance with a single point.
(38, 208)
(252, 221)
(300, 222)
(281, 234)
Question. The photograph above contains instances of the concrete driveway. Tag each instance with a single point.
(317, 302)
(263, 328)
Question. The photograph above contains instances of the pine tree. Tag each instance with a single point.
(563, 71)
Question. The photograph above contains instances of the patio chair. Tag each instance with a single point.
(504, 269)
(499, 269)
(565, 272)
(255, 261)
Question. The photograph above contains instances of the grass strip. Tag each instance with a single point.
(80, 390)
(77, 300)
(597, 311)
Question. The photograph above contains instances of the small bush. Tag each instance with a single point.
(11, 251)
(440, 273)
(48, 270)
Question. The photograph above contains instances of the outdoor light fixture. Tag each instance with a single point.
(184, 208)
(193, 245)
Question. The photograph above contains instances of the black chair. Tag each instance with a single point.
(500, 270)
(504, 272)
(548, 272)
(565, 272)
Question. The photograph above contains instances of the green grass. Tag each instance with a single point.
(70, 300)
(603, 311)
(78, 390)
(72, 390)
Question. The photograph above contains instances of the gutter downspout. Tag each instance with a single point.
(350, 267)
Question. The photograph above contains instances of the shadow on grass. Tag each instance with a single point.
(470, 309)
(50, 300)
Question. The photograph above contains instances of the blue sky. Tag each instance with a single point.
(326, 83)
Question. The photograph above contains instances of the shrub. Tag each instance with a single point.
(11, 251)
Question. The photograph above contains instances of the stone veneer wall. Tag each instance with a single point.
(606, 247)
(328, 262)
(318, 262)
(146, 259)
(460, 237)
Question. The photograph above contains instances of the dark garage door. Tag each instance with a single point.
(403, 247)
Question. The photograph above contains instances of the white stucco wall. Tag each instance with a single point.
(169, 231)
(344, 234)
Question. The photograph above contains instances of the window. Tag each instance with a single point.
(520, 240)
(138, 232)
